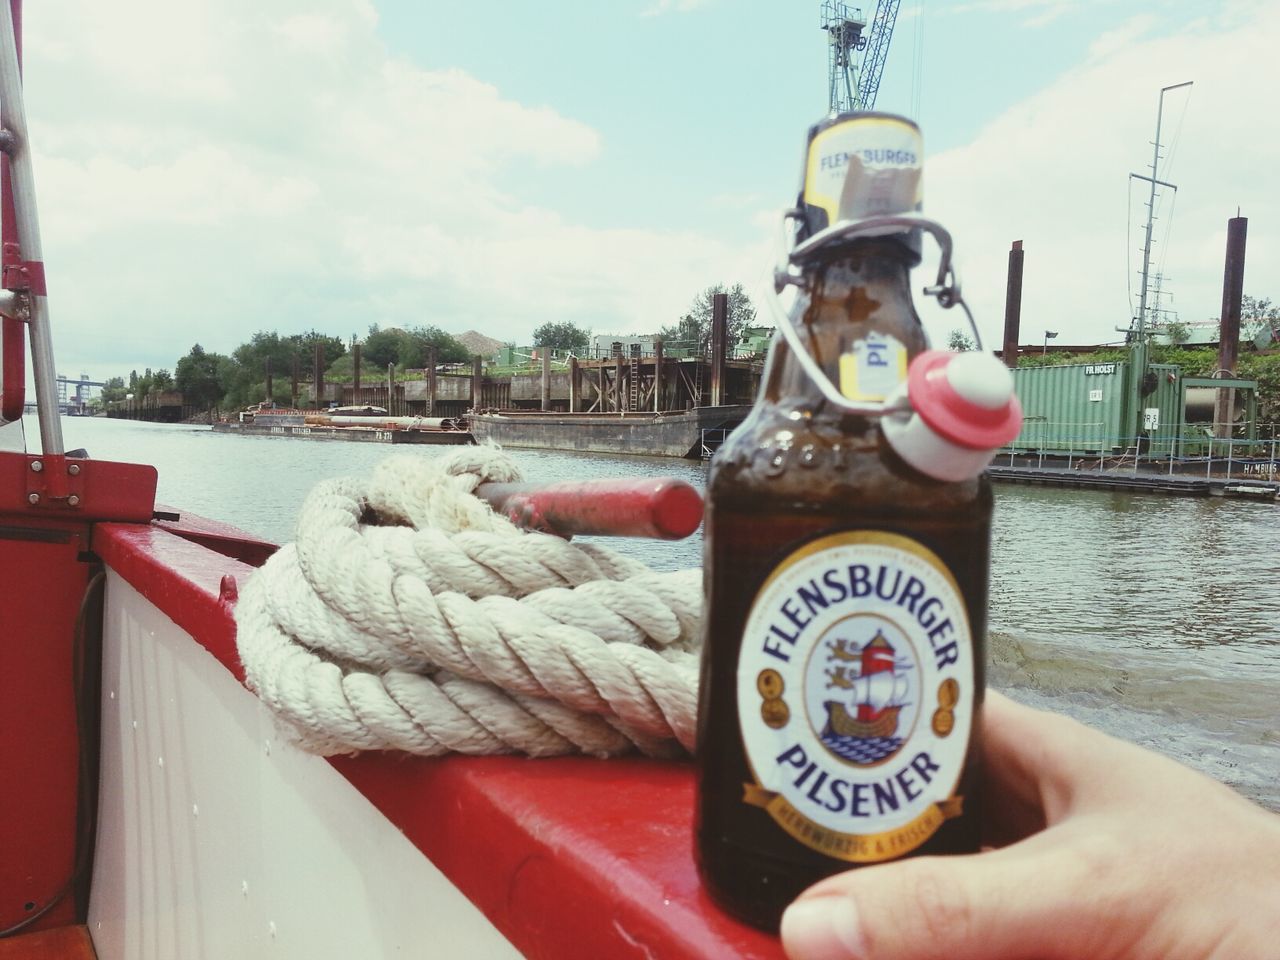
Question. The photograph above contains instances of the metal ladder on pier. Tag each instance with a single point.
(711, 438)
(633, 379)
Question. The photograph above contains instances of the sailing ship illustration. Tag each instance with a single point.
(876, 687)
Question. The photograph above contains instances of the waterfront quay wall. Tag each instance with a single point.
(162, 407)
(445, 395)
(635, 384)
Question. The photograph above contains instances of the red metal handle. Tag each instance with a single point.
(664, 508)
(13, 375)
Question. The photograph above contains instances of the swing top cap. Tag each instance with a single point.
(967, 398)
(962, 410)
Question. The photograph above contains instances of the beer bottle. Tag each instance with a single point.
(846, 555)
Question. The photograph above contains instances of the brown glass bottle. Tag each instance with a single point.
(798, 472)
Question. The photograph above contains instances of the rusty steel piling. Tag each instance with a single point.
(1229, 337)
(1013, 306)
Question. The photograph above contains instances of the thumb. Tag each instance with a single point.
(999, 905)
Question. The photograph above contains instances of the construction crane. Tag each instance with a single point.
(853, 86)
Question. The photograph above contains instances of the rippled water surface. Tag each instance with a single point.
(1156, 618)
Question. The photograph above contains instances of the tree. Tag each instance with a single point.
(140, 386)
(686, 334)
(694, 328)
(959, 341)
(114, 389)
(448, 349)
(243, 384)
(304, 344)
(408, 348)
(1177, 332)
(198, 377)
(381, 347)
(562, 336)
(1257, 313)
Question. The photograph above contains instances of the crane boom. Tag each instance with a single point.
(877, 51)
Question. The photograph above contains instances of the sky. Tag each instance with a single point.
(206, 170)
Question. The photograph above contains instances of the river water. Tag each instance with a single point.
(1154, 618)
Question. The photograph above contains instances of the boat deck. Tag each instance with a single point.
(59, 943)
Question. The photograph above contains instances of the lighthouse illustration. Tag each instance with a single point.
(874, 686)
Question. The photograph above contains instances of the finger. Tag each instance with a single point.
(1012, 804)
(1038, 761)
(1007, 904)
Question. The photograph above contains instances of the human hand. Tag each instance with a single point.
(1104, 850)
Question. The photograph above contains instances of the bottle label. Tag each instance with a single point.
(872, 368)
(863, 166)
(855, 695)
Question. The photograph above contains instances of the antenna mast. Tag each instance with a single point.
(1137, 386)
(1151, 209)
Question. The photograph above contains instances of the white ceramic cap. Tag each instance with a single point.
(963, 411)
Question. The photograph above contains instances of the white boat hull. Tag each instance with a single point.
(217, 839)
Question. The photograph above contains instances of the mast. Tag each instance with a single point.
(1138, 352)
(1151, 206)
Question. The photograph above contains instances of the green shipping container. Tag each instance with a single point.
(1161, 413)
(1082, 409)
(1072, 409)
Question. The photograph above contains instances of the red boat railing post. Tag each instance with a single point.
(13, 344)
(26, 272)
(662, 508)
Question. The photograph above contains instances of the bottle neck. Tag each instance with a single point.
(856, 316)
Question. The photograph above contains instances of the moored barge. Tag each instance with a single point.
(686, 433)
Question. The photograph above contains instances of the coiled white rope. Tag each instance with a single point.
(409, 616)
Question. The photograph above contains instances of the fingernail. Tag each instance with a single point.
(823, 928)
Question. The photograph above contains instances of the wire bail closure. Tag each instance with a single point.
(946, 290)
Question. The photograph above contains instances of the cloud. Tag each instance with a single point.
(209, 170)
(1038, 13)
(1115, 41)
(1053, 171)
(672, 6)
